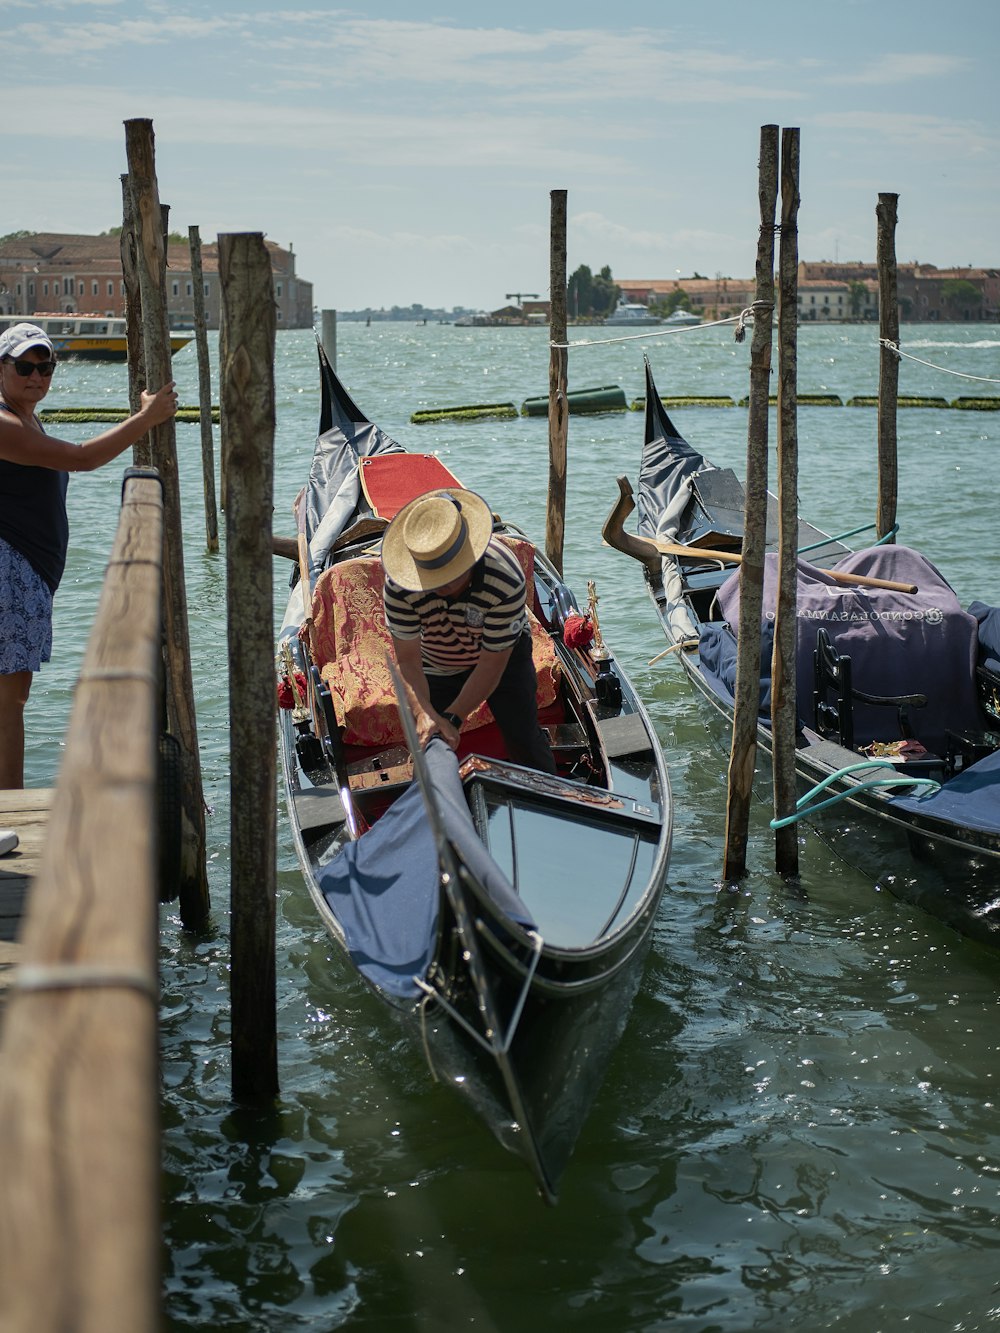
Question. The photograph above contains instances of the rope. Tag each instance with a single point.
(894, 347)
(73, 976)
(803, 810)
(739, 332)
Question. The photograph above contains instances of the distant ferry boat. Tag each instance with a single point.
(627, 312)
(93, 337)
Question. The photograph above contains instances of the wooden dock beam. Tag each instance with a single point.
(79, 1076)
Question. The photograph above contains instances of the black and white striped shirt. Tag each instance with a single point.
(488, 616)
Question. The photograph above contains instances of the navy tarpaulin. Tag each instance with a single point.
(383, 888)
(971, 799)
(898, 643)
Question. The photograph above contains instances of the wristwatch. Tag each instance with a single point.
(454, 719)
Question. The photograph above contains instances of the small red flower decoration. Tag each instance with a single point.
(578, 631)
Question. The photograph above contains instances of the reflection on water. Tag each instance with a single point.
(799, 1128)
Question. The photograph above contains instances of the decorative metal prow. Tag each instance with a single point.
(598, 650)
(607, 686)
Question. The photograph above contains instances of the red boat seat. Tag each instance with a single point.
(351, 644)
(391, 481)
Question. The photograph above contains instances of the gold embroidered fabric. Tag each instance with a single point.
(351, 644)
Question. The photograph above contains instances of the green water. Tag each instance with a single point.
(799, 1128)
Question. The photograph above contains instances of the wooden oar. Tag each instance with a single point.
(730, 557)
(648, 550)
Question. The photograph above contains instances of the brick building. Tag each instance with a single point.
(837, 292)
(56, 273)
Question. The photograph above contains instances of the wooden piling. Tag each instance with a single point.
(142, 450)
(79, 1097)
(743, 754)
(151, 262)
(555, 518)
(888, 378)
(204, 391)
(783, 700)
(247, 400)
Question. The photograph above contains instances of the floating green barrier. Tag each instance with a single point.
(805, 400)
(966, 404)
(871, 400)
(112, 414)
(607, 398)
(469, 412)
(688, 400)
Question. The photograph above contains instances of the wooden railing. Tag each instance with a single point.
(79, 1103)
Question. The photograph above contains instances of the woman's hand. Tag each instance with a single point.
(160, 406)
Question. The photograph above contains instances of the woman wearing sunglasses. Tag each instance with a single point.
(34, 531)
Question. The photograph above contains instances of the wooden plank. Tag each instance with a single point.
(79, 1095)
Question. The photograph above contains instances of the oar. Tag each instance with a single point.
(730, 557)
(649, 549)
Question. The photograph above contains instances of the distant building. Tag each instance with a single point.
(61, 273)
(842, 292)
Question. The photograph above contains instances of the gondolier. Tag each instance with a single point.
(455, 608)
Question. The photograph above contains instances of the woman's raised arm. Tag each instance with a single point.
(30, 447)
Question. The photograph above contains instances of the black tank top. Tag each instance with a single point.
(33, 515)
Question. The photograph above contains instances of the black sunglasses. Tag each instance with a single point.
(27, 368)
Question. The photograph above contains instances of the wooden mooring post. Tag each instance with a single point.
(247, 401)
(151, 264)
(555, 518)
(204, 391)
(888, 378)
(783, 700)
(743, 754)
(79, 1091)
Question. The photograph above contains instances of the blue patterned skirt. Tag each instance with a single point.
(25, 614)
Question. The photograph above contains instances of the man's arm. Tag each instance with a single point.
(484, 679)
(411, 667)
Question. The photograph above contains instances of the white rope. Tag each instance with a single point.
(659, 333)
(894, 347)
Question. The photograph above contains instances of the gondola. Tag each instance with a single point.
(898, 688)
(503, 914)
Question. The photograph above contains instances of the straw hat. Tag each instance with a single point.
(436, 538)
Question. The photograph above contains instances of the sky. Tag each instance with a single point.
(408, 150)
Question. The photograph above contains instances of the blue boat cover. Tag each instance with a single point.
(383, 888)
(899, 643)
(970, 800)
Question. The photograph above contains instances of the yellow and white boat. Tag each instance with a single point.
(92, 337)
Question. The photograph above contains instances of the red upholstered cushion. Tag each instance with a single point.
(391, 481)
(351, 645)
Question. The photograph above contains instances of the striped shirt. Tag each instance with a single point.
(489, 616)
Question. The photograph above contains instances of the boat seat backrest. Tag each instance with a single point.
(351, 646)
(835, 694)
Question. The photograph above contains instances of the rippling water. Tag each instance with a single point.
(799, 1129)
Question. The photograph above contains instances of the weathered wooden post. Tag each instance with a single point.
(744, 747)
(888, 376)
(783, 700)
(247, 403)
(204, 390)
(150, 255)
(328, 335)
(555, 518)
(133, 317)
